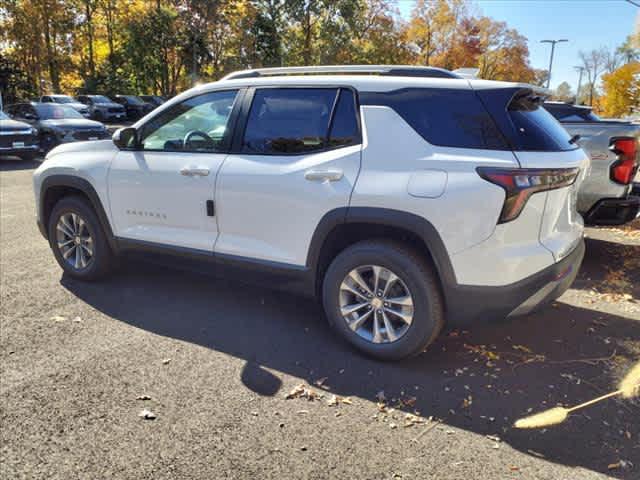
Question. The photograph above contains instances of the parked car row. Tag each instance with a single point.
(103, 108)
(29, 127)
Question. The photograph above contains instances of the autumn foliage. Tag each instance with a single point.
(621, 91)
(164, 46)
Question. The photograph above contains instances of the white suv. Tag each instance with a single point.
(404, 197)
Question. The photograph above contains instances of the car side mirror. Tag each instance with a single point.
(30, 116)
(125, 138)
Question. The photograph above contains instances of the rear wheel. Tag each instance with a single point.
(77, 239)
(384, 299)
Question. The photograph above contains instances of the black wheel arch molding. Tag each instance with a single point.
(75, 183)
(419, 226)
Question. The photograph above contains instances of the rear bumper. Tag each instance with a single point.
(613, 211)
(468, 304)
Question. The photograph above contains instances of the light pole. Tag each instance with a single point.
(553, 47)
(581, 70)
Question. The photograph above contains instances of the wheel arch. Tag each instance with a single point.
(345, 226)
(55, 187)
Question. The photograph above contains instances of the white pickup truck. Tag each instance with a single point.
(605, 196)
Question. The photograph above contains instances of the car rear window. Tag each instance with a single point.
(571, 114)
(535, 127)
(443, 116)
(299, 120)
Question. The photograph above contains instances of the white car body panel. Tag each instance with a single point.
(562, 227)
(393, 152)
(87, 160)
(268, 210)
(152, 201)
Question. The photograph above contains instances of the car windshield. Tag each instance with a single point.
(3, 116)
(63, 99)
(133, 99)
(52, 111)
(101, 99)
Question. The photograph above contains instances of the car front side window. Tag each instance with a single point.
(198, 124)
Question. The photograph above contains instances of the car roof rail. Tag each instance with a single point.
(383, 70)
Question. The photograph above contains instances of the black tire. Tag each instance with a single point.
(28, 157)
(418, 276)
(102, 260)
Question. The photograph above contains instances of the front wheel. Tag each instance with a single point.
(384, 299)
(77, 239)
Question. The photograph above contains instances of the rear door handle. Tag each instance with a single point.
(323, 175)
(194, 171)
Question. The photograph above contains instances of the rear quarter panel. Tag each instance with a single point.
(401, 171)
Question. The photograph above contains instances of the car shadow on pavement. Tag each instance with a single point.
(8, 164)
(479, 380)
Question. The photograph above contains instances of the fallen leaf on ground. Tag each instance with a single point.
(166, 361)
(76, 319)
(143, 397)
(147, 414)
(301, 391)
(58, 318)
(522, 348)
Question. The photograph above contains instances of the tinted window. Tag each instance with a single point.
(569, 114)
(54, 111)
(288, 120)
(442, 116)
(536, 128)
(198, 124)
(344, 126)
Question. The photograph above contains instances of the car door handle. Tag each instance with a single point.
(194, 171)
(323, 175)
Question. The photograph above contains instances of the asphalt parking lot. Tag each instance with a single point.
(215, 361)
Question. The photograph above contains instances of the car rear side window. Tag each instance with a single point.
(443, 116)
(536, 128)
(297, 120)
(344, 126)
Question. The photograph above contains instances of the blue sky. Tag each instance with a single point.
(588, 24)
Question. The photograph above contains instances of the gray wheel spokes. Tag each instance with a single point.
(355, 276)
(74, 240)
(357, 323)
(388, 328)
(376, 304)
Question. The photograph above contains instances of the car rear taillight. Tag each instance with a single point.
(520, 184)
(625, 167)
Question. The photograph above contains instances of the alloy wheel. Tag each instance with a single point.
(74, 241)
(376, 304)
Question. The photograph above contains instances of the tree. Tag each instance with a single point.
(154, 46)
(594, 63)
(629, 51)
(621, 91)
(14, 82)
(563, 93)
